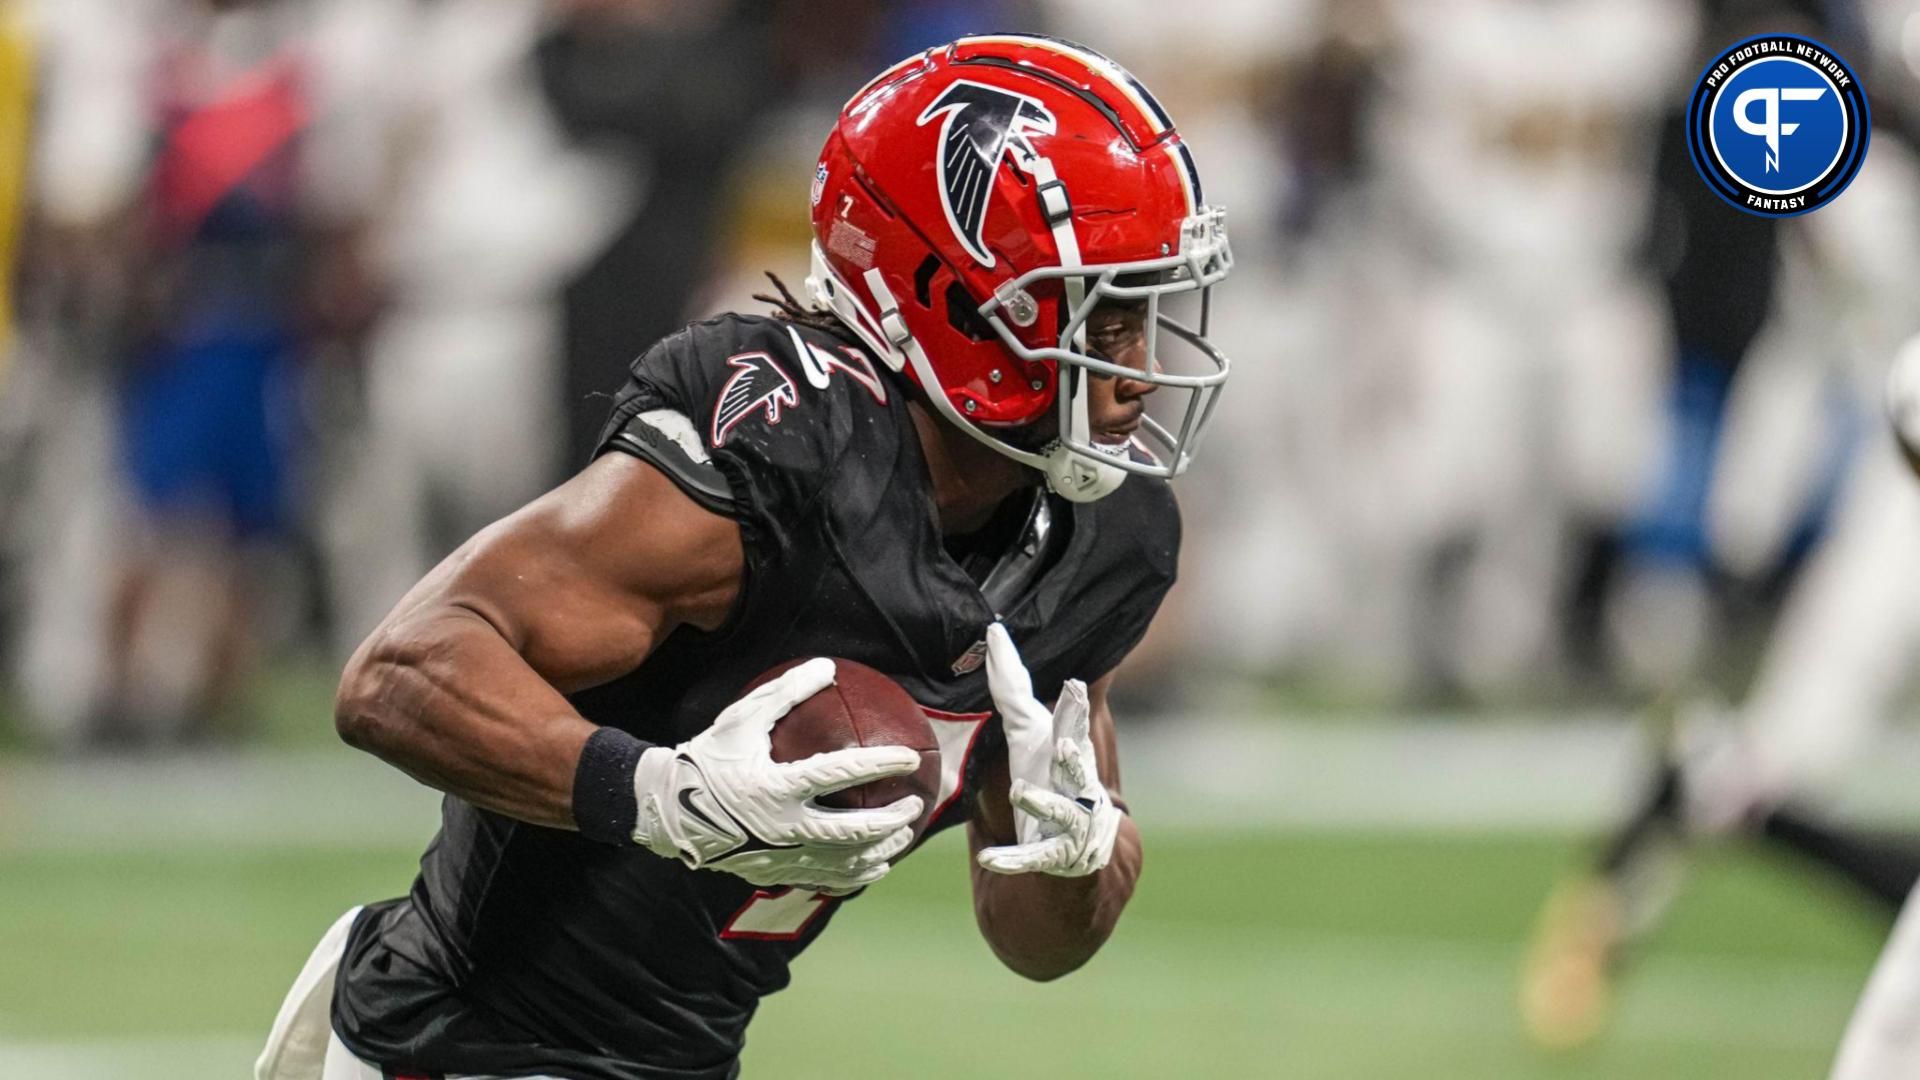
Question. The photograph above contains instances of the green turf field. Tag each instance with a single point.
(1269, 955)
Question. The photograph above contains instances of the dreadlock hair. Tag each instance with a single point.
(788, 307)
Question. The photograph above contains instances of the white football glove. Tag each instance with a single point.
(719, 801)
(1065, 820)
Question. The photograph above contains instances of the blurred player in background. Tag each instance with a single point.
(1420, 500)
(17, 41)
(951, 448)
(16, 101)
(1882, 1041)
(1756, 463)
(199, 222)
(1524, 400)
(650, 85)
(448, 419)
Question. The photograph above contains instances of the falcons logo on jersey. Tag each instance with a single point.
(983, 123)
(757, 383)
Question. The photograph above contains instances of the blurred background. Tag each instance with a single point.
(1532, 445)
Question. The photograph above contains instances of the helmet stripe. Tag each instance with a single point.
(1129, 87)
(1107, 66)
(882, 77)
(1189, 177)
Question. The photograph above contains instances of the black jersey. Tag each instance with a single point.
(524, 949)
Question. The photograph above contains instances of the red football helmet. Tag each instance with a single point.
(975, 204)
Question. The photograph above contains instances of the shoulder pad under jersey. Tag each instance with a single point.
(742, 408)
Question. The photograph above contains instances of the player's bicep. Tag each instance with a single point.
(587, 579)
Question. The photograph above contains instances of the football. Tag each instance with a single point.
(861, 708)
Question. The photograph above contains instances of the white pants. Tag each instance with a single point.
(1883, 1038)
(302, 1045)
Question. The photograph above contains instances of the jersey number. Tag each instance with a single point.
(785, 914)
(775, 915)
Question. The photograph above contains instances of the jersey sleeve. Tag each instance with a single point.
(740, 413)
(724, 409)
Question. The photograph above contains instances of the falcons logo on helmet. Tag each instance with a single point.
(757, 383)
(983, 123)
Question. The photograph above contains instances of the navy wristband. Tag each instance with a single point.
(604, 804)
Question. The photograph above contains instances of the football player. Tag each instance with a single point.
(1882, 1042)
(1832, 672)
(947, 452)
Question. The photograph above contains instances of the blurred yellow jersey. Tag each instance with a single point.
(16, 104)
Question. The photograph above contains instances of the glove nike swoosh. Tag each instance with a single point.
(687, 804)
(720, 802)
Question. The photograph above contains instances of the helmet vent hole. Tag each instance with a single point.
(963, 314)
(923, 281)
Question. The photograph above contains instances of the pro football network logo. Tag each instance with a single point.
(1778, 125)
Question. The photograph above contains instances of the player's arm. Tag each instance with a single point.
(1048, 890)
(461, 687)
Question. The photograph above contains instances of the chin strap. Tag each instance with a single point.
(1079, 478)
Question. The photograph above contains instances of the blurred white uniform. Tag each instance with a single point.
(1882, 1041)
(1251, 528)
(1849, 634)
(1526, 357)
(489, 213)
(91, 157)
(1842, 651)
(1464, 359)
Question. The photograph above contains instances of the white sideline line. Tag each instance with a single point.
(305, 800)
(1532, 774)
(163, 1058)
(1545, 773)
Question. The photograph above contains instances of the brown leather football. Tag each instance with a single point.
(861, 708)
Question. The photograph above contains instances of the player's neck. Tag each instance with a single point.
(969, 480)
